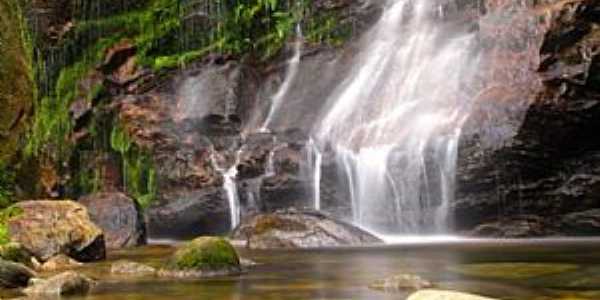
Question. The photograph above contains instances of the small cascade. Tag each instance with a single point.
(394, 123)
(292, 71)
(230, 186)
(315, 159)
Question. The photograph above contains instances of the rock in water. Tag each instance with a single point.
(444, 295)
(59, 262)
(119, 217)
(402, 282)
(13, 275)
(47, 228)
(67, 283)
(293, 229)
(202, 257)
(131, 268)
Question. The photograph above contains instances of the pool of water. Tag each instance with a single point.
(529, 269)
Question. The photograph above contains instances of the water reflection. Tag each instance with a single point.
(511, 269)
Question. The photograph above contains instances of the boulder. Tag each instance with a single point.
(131, 268)
(203, 257)
(295, 229)
(47, 228)
(15, 252)
(119, 217)
(402, 282)
(444, 295)
(13, 275)
(58, 262)
(67, 283)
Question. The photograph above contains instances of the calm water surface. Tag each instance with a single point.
(539, 270)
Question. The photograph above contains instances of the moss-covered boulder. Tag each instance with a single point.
(202, 257)
(48, 228)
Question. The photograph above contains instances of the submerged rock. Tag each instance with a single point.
(444, 295)
(119, 217)
(13, 275)
(47, 228)
(294, 229)
(131, 268)
(59, 262)
(67, 283)
(402, 282)
(203, 257)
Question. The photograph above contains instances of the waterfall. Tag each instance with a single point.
(291, 73)
(230, 186)
(395, 121)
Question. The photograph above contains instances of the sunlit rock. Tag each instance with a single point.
(402, 282)
(47, 228)
(124, 267)
(444, 295)
(67, 283)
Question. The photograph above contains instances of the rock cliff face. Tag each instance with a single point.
(528, 155)
(551, 167)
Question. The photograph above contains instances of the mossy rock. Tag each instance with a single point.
(203, 257)
(206, 253)
(15, 252)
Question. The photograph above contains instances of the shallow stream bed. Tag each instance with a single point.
(531, 269)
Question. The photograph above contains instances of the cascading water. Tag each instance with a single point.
(230, 186)
(394, 123)
(291, 72)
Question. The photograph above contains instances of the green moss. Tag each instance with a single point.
(5, 216)
(17, 84)
(139, 176)
(7, 182)
(205, 253)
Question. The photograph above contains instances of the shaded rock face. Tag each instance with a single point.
(13, 275)
(48, 228)
(293, 229)
(119, 217)
(552, 165)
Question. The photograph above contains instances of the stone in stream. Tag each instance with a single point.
(13, 275)
(294, 229)
(47, 228)
(444, 295)
(67, 283)
(402, 282)
(119, 216)
(203, 257)
(124, 267)
(58, 262)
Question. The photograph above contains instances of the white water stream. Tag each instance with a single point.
(394, 123)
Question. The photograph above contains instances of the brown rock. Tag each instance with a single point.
(47, 228)
(119, 217)
(67, 283)
(59, 262)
